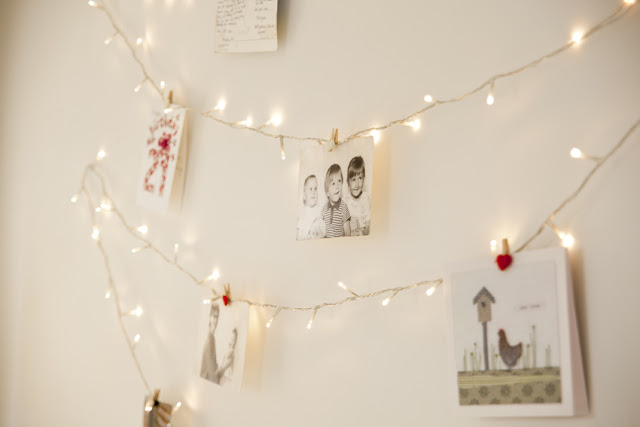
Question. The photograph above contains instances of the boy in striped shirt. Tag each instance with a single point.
(335, 213)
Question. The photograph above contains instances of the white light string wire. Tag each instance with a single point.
(409, 120)
(392, 292)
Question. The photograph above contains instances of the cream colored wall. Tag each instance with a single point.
(471, 174)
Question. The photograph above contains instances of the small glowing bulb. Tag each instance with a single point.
(268, 325)
(385, 302)
(105, 204)
(137, 88)
(490, 99)
(107, 294)
(92, 3)
(376, 136)
(577, 37)
(178, 405)
(276, 120)
(74, 198)
(137, 311)
(168, 110)
(567, 240)
(430, 291)
(139, 41)
(342, 285)
(214, 276)
(309, 324)
(247, 122)
(176, 248)
(428, 98)
(162, 84)
(136, 339)
(576, 153)
(415, 124)
(147, 408)
(98, 209)
(138, 249)
(143, 229)
(101, 155)
(95, 235)
(284, 156)
(629, 1)
(222, 104)
(494, 246)
(109, 39)
(206, 301)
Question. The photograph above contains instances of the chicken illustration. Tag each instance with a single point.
(509, 353)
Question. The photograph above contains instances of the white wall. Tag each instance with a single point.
(471, 174)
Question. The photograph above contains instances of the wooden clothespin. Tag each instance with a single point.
(505, 259)
(333, 141)
(226, 298)
(169, 100)
(156, 413)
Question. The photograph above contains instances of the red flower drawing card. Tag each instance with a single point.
(164, 158)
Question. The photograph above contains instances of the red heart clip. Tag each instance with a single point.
(504, 261)
(226, 298)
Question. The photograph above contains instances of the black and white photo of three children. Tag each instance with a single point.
(335, 191)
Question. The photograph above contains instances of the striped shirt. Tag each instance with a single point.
(334, 217)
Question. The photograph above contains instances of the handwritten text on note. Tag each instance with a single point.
(246, 26)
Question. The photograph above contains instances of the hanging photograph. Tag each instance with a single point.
(334, 191)
(223, 345)
(516, 348)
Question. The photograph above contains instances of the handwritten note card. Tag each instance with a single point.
(246, 26)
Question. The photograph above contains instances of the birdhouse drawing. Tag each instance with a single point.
(484, 299)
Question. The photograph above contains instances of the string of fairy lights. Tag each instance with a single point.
(104, 203)
(411, 120)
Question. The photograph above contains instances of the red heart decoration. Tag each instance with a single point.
(225, 299)
(504, 261)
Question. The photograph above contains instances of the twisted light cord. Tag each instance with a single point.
(620, 12)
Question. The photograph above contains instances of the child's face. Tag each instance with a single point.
(311, 192)
(355, 184)
(335, 188)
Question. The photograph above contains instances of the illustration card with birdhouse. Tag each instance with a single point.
(222, 343)
(164, 157)
(515, 343)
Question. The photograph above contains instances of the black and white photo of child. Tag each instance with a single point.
(310, 222)
(335, 190)
(224, 344)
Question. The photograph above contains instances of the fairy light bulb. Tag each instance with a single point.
(215, 275)
(385, 302)
(428, 98)
(247, 122)
(138, 249)
(268, 325)
(310, 324)
(376, 136)
(430, 291)
(282, 154)
(101, 155)
(276, 120)
(490, 99)
(136, 339)
(494, 246)
(98, 209)
(109, 39)
(342, 285)
(221, 105)
(415, 124)
(95, 234)
(74, 198)
(139, 41)
(177, 406)
(206, 301)
(143, 229)
(576, 153)
(93, 3)
(629, 2)
(576, 38)
(148, 408)
(137, 88)
(105, 204)
(107, 294)
(567, 240)
(137, 311)
(162, 84)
